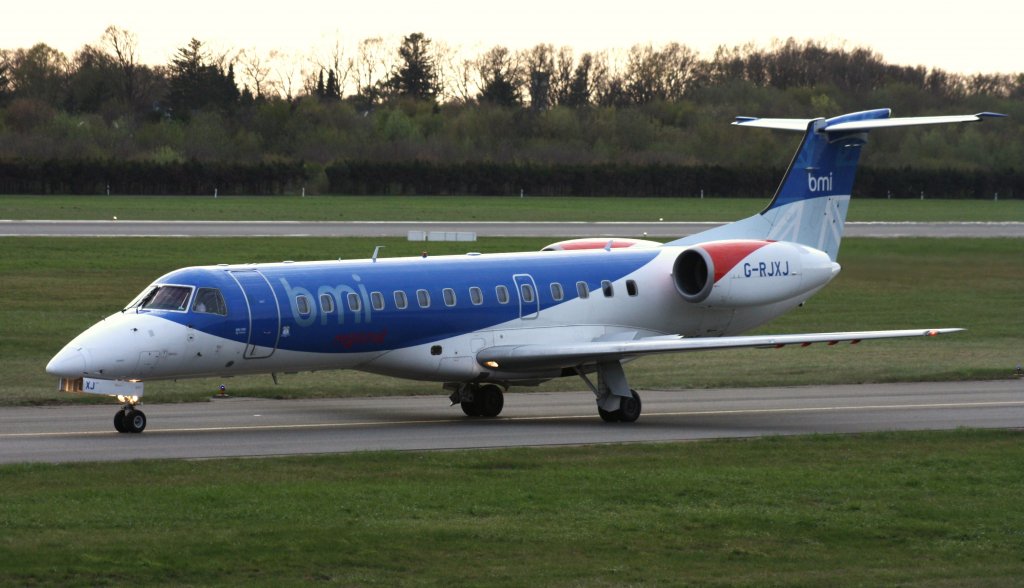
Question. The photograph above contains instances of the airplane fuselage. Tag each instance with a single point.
(427, 317)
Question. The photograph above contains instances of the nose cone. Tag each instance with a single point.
(69, 363)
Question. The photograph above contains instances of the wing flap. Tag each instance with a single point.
(530, 356)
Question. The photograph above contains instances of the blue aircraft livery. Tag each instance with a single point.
(479, 324)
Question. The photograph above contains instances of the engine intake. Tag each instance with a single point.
(694, 272)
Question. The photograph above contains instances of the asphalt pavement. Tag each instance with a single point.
(237, 427)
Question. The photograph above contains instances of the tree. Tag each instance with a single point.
(333, 72)
(332, 91)
(540, 67)
(94, 84)
(371, 63)
(197, 83)
(122, 45)
(256, 71)
(39, 73)
(579, 88)
(500, 78)
(5, 79)
(416, 75)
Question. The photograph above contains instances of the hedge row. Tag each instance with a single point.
(148, 178)
(489, 179)
(486, 179)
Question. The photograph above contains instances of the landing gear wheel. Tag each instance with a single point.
(489, 400)
(628, 412)
(135, 421)
(119, 423)
(629, 408)
(469, 407)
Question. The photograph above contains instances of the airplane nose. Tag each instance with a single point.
(69, 363)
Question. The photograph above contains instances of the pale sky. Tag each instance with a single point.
(973, 37)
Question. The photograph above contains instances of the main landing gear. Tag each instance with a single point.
(616, 401)
(628, 411)
(129, 419)
(477, 400)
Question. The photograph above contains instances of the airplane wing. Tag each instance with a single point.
(539, 356)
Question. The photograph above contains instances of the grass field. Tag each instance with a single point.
(907, 509)
(472, 208)
(53, 288)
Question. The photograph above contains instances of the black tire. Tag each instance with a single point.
(489, 400)
(629, 408)
(608, 416)
(135, 421)
(119, 423)
(469, 407)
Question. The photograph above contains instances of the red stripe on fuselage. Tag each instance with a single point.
(726, 254)
(594, 244)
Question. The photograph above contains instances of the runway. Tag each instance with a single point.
(654, 230)
(250, 427)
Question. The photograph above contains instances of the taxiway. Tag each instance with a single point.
(241, 427)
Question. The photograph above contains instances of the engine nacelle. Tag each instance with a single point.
(733, 274)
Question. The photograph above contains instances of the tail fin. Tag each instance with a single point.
(810, 204)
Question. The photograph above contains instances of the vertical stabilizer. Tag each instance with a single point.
(810, 204)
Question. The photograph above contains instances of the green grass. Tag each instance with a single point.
(53, 288)
(471, 208)
(908, 509)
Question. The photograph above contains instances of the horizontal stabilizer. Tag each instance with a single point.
(782, 124)
(858, 121)
(542, 356)
(867, 125)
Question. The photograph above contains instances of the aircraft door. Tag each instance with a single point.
(529, 298)
(264, 313)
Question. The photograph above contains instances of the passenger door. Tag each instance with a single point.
(264, 313)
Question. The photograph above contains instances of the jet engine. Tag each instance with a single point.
(733, 274)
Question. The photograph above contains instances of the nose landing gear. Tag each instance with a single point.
(129, 419)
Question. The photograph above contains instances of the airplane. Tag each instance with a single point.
(479, 324)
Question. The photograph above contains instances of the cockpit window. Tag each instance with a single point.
(210, 301)
(167, 298)
(143, 297)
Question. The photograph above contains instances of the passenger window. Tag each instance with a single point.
(355, 304)
(377, 300)
(326, 303)
(423, 298)
(401, 301)
(449, 296)
(556, 291)
(476, 296)
(606, 287)
(502, 293)
(302, 304)
(631, 288)
(210, 301)
(582, 289)
(527, 292)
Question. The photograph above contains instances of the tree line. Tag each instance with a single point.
(543, 117)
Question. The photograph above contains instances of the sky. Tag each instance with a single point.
(977, 37)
